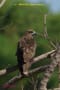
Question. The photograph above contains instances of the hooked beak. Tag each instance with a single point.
(34, 33)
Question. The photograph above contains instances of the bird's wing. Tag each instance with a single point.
(29, 48)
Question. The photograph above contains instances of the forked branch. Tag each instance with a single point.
(19, 77)
(55, 61)
(14, 68)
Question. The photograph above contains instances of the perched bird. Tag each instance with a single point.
(26, 49)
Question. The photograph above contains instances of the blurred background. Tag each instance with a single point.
(14, 21)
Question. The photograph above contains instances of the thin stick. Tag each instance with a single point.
(16, 78)
(2, 3)
(46, 34)
(14, 68)
(55, 60)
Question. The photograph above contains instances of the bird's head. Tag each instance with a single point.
(31, 32)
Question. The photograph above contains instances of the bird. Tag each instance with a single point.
(26, 49)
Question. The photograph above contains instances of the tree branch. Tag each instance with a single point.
(14, 68)
(49, 71)
(2, 3)
(8, 70)
(43, 56)
(46, 34)
(16, 78)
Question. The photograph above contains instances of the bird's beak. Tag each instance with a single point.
(34, 33)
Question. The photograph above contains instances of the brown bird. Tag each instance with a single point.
(26, 50)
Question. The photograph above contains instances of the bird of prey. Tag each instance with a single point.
(26, 49)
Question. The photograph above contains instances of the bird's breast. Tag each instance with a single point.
(29, 53)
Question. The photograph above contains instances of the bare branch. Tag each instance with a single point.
(34, 83)
(43, 56)
(55, 60)
(16, 78)
(8, 70)
(22, 87)
(2, 3)
(46, 34)
(45, 28)
(14, 68)
(59, 73)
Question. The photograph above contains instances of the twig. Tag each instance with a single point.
(16, 78)
(43, 56)
(55, 60)
(8, 70)
(14, 68)
(2, 3)
(46, 34)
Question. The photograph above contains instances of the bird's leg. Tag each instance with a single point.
(24, 62)
(22, 71)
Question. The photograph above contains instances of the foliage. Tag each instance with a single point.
(14, 21)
